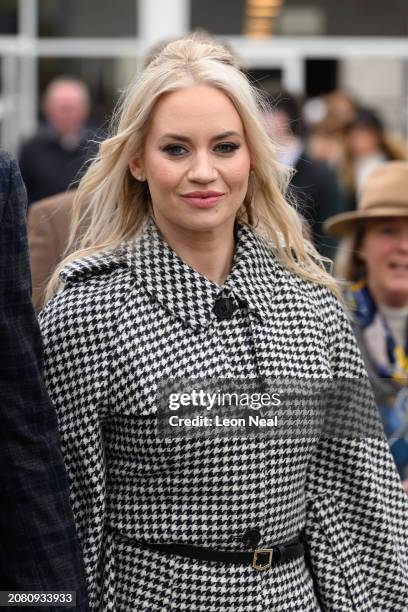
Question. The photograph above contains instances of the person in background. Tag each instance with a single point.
(39, 550)
(373, 258)
(314, 185)
(49, 222)
(55, 157)
(366, 146)
(326, 118)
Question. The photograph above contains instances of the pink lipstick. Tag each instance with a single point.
(202, 199)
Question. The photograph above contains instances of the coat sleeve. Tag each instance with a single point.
(39, 548)
(76, 364)
(357, 517)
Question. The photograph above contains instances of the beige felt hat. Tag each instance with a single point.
(385, 194)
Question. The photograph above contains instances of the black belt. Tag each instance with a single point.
(261, 558)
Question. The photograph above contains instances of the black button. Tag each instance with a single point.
(224, 308)
(251, 538)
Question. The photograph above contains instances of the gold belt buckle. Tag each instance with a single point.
(260, 567)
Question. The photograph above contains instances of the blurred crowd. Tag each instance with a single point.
(348, 180)
(333, 145)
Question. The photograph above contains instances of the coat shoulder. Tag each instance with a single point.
(5, 160)
(8, 168)
(93, 291)
(53, 206)
(294, 287)
(315, 294)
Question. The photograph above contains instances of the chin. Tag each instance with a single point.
(399, 294)
(399, 286)
(209, 221)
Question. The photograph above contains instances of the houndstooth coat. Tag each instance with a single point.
(128, 317)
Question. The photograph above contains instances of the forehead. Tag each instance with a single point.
(66, 93)
(197, 109)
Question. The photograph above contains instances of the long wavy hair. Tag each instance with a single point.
(117, 205)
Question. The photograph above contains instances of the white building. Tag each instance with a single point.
(358, 45)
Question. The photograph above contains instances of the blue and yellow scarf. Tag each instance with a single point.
(391, 361)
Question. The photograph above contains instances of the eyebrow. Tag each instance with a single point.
(183, 138)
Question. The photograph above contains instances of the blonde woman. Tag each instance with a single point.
(194, 266)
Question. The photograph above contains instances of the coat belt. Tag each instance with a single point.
(260, 558)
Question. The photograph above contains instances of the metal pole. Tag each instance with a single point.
(9, 110)
(161, 19)
(404, 100)
(28, 74)
(294, 75)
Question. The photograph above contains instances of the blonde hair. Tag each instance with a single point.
(119, 205)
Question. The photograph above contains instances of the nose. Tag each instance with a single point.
(202, 169)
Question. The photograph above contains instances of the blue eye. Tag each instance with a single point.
(174, 149)
(226, 147)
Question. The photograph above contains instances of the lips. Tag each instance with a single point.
(202, 199)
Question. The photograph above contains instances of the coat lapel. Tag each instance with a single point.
(189, 295)
(183, 291)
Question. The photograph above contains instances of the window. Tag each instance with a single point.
(8, 17)
(345, 18)
(307, 17)
(218, 16)
(87, 18)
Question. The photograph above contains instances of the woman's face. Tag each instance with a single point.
(385, 253)
(363, 141)
(196, 161)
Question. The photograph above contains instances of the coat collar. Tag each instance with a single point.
(179, 288)
(189, 295)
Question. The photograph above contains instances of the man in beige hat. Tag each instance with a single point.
(373, 257)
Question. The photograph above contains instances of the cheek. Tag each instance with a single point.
(377, 253)
(238, 174)
(162, 173)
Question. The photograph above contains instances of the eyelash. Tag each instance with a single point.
(232, 145)
(170, 149)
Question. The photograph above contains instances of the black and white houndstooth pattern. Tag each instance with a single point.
(128, 318)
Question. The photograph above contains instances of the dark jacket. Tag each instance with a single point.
(48, 167)
(39, 550)
(316, 190)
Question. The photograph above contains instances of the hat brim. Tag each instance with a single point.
(342, 224)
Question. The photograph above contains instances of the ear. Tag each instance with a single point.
(136, 169)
